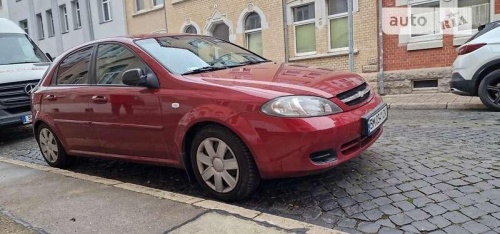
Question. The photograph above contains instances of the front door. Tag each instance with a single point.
(127, 119)
(67, 102)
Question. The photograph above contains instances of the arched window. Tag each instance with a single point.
(253, 33)
(191, 30)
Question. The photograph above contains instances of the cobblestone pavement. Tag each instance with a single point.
(432, 171)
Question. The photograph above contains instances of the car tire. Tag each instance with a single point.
(51, 148)
(489, 91)
(228, 175)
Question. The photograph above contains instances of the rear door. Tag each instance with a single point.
(67, 99)
(127, 119)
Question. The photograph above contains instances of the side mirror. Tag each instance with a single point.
(49, 56)
(137, 77)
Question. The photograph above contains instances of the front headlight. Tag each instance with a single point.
(300, 106)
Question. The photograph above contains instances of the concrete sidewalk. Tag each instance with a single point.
(39, 199)
(433, 101)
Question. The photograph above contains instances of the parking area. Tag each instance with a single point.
(430, 171)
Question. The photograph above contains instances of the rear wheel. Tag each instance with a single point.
(52, 149)
(223, 165)
(489, 91)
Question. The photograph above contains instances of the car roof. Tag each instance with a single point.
(7, 26)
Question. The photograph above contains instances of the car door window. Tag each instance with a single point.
(74, 69)
(112, 61)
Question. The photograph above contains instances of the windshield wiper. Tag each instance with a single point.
(24, 62)
(203, 69)
(250, 62)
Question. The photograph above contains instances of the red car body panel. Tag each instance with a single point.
(140, 124)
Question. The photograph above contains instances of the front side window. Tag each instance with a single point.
(77, 18)
(158, 2)
(480, 10)
(305, 30)
(191, 30)
(24, 25)
(39, 21)
(106, 10)
(337, 16)
(139, 5)
(74, 69)
(426, 19)
(50, 23)
(184, 54)
(17, 48)
(63, 12)
(112, 61)
(253, 33)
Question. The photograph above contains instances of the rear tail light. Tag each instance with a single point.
(470, 48)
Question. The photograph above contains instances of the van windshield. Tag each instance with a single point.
(17, 48)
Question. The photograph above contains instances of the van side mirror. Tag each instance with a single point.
(49, 56)
(137, 77)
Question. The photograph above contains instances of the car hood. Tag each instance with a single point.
(22, 72)
(284, 79)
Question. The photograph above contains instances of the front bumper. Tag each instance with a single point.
(285, 146)
(13, 119)
(461, 86)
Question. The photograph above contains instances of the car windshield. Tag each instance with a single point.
(16, 48)
(195, 54)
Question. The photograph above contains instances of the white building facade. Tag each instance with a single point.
(4, 9)
(58, 25)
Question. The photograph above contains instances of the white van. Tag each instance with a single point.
(22, 65)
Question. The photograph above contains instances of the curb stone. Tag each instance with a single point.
(257, 216)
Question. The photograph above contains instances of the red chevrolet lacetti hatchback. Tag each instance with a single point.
(225, 114)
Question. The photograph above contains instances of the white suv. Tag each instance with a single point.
(476, 71)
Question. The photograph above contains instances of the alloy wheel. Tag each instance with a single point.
(48, 144)
(494, 93)
(217, 165)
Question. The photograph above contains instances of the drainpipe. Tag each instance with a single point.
(91, 24)
(380, 79)
(351, 34)
(165, 14)
(285, 30)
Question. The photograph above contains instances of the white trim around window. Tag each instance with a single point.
(106, 7)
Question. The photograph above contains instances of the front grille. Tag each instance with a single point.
(355, 145)
(14, 94)
(355, 96)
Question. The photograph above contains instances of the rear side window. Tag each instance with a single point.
(74, 69)
(112, 61)
(484, 29)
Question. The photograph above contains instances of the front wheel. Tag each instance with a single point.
(223, 165)
(489, 91)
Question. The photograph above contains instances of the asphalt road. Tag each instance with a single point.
(430, 171)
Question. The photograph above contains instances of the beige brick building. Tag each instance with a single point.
(320, 26)
(145, 16)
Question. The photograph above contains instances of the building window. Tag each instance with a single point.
(39, 21)
(191, 30)
(77, 18)
(253, 33)
(339, 26)
(139, 5)
(305, 29)
(106, 11)
(480, 10)
(63, 13)
(158, 2)
(50, 23)
(426, 19)
(24, 25)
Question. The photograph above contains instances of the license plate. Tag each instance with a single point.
(374, 120)
(27, 119)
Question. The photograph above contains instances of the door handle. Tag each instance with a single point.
(51, 97)
(99, 99)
